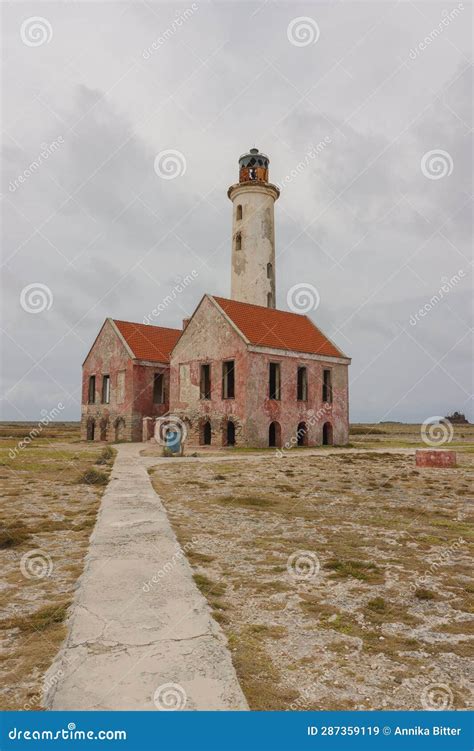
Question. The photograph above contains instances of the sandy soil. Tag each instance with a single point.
(341, 580)
(46, 517)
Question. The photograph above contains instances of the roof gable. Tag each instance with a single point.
(279, 329)
(147, 342)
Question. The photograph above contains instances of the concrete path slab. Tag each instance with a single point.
(140, 634)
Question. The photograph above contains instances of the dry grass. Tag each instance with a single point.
(389, 610)
(45, 508)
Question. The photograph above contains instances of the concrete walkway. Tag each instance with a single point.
(134, 643)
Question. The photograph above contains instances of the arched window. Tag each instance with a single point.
(90, 430)
(239, 212)
(238, 241)
(205, 435)
(269, 270)
(302, 434)
(274, 434)
(229, 435)
(327, 434)
(269, 300)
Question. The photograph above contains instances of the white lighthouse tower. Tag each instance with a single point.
(253, 232)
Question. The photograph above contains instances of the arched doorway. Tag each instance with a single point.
(206, 434)
(327, 434)
(274, 434)
(119, 429)
(90, 430)
(104, 424)
(229, 435)
(302, 434)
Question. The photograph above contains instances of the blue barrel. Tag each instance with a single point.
(173, 440)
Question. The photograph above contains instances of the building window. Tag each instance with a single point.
(269, 270)
(105, 389)
(228, 379)
(238, 241)
(239, 212)
(205, 381)
(274, 380)
(269, 300)
(91, 397)
(302, 384)
(158, 388)
(327, 386)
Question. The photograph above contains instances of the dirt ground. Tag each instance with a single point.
(48, 509)
(342, 580)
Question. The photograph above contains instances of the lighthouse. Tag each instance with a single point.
(253, 232)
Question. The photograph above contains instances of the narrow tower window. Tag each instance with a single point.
(239, 212)
(269, 300)
(91, 395)
(274, 381)
(302, 384)
(238, 241)
(327, 386)
(158, 388)
(228, 380)
(105, 389)
(269, 270)
(205, 381)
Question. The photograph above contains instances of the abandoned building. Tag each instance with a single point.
(239, 372)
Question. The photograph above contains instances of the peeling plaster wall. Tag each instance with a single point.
(130, 400)
(251, 409)
(250, 282)
(288, 411)
(208, 338)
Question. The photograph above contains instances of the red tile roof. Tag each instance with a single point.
(278, 329)
(149, 342)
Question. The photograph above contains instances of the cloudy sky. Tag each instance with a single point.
(378, 219)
